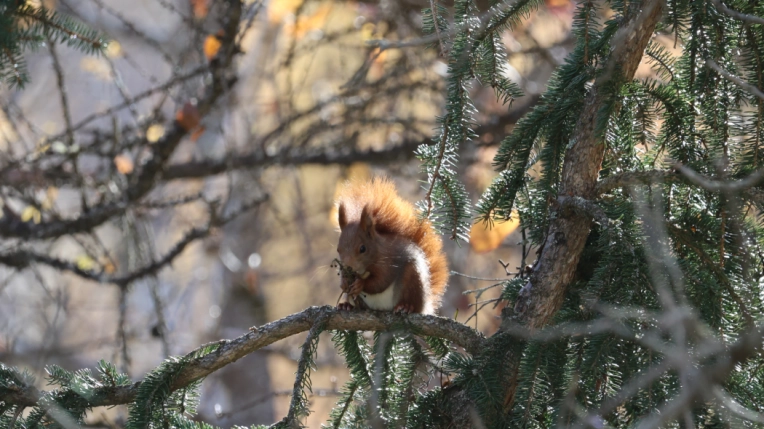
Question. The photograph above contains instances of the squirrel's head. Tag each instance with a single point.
(357, 247)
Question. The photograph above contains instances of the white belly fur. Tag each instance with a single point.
(380, 301)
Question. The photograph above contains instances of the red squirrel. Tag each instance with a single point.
(397, 258)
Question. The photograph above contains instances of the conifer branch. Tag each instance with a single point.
(634, 178)
(749, 344)
(567, 235)
(751, 19)
(229, 351)
(733, 186)
(436, 171)
(42, 17)
(732, 78)
(718, 271)
(434, 11)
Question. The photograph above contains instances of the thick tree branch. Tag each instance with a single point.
(259, 337)
(583, 160)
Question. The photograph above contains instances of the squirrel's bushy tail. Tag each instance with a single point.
(394, 215)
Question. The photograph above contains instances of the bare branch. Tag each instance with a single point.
(22, 258)
(734, 186)
(751, 19)
(142, 182)
(259, 337)
(732, 78)
(633, 178)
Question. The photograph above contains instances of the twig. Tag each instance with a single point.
(732, 78)
(751, 19)
(732, 186)
(121, 331)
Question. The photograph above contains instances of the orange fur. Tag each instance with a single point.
(394, 215)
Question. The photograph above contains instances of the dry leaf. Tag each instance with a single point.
(113, 49)
(279, 10)
(97, 66)
(50, 197)
(200, 8)
(85, 263)
(197, 133)
(154, 133)
(314, 21)
(124, 164)
(109, 267)
(31, 213)
(188, 117)
(484, 239)
(211, 46)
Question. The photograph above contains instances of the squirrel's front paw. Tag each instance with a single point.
(404, 308)
(345, 306)
(355, 289)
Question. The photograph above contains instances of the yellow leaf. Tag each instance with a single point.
(278, 10)
(310, 22)
(211, 46)
(200, 8)
(113, 49)
(31, 213)
(367, 31)
(484, 239)
(124, 164)
(85, 263)
(50, 197)
(154, 133)
(97, 66)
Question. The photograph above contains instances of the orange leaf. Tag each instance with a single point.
(188, 117)
(311, 22)
(278, 10)
(197, 133)
(211, 46)
(200, 8)
(484, 239)
(107, 265)
(124, 164)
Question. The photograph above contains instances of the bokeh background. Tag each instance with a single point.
(314, 96)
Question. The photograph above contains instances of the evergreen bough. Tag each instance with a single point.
(24, 26)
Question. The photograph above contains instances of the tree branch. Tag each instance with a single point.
(733, 186)
(583, 161)
(736, 80)
(259, 337)
(751, 19)
(21, 258)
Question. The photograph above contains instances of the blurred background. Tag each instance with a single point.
(314, 99)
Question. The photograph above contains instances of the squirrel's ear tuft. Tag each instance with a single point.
(367, 222)
(341, 216)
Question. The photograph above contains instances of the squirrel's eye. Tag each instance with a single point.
(362, 249)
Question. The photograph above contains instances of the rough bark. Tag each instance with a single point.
(230, 351)
(567, 234)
